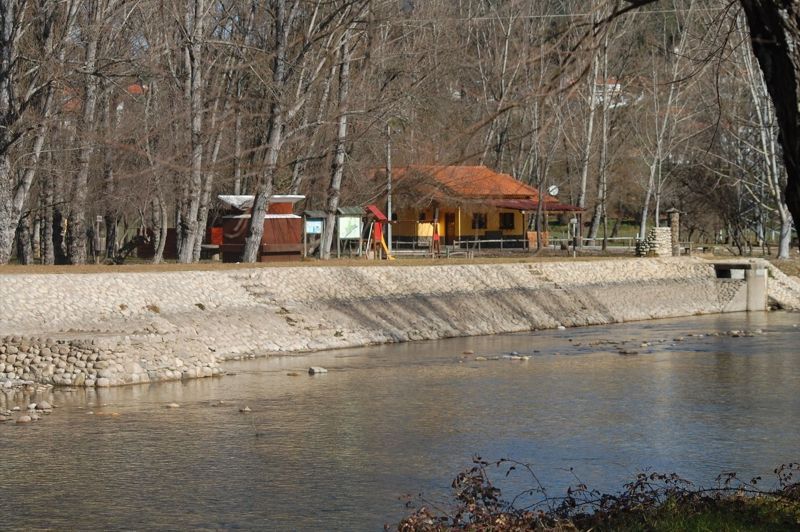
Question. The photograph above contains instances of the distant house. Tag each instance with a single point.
(459, 203)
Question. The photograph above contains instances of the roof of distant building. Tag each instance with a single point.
(423, 184)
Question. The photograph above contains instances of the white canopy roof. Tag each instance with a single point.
(245, 201)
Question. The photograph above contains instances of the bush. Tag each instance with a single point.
(652, 501)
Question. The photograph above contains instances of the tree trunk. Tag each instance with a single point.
(255, 230)
(275, 137)
(13, 192)
(36, 237)
(775, 36)
(237, 142)
(539, 212)
(159, 228)
(657, 210)
(48, 199)
(77, 228)
(786, 236)
(210, 174)
(337, 168)
(202, 215)
(298, 171)
(773, 172)
(111, 117)
(189, 229)
(586, 156)
(24, 249)
(646, 205)
(8, 221)
(602, 182)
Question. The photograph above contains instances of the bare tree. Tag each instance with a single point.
(774, 34)
(26, 88)
(337, 167)
(283, 24)
(194, 32)
(315, 33)
(661, 141)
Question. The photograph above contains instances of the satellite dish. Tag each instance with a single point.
(553, 190)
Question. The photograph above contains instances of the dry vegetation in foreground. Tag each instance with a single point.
(650, 502)
(789, 267)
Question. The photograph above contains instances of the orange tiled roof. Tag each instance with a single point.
(470, 182)
(136, 89)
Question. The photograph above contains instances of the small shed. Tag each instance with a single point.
(282, 239)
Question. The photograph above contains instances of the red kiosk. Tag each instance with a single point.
(282, 239)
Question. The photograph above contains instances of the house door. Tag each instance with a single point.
(449, 228)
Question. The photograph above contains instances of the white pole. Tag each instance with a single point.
(389, 185)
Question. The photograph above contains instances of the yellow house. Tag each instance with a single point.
(464, 203)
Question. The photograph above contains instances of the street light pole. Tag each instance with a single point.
(389, 185)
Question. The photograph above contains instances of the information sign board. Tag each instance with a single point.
(349, 227)
(314, 227)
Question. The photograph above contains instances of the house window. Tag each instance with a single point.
(506, 220)
(479, 220)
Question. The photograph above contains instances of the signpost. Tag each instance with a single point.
(349, 227)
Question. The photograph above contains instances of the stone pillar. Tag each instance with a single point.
(756, 287)
(675, 226)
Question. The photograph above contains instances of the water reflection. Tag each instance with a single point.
(337, 450)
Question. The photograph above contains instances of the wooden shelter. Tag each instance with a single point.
(282, 239)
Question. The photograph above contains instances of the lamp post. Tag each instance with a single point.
(389, 185)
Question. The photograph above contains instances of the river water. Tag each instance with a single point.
(338, 450)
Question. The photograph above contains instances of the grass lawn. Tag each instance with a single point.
(728, 514)
(789, 267)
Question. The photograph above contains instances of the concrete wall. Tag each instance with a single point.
(158, 326)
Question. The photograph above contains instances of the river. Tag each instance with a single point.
(338, 450)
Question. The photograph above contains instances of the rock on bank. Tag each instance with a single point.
(118, 328)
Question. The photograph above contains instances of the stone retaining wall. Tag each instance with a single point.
(784, 291)
(95, 363)
(111, 329)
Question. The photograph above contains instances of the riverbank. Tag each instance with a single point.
(106, 329)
